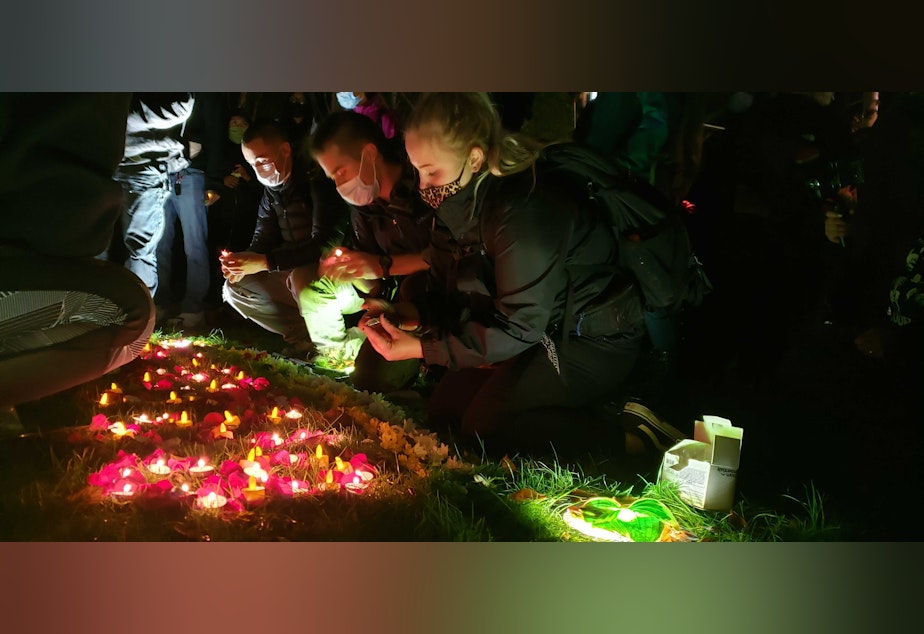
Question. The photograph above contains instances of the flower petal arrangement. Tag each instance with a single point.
(210, 435)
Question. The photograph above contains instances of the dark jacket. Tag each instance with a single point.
(400, 226)
(300, 220)
(500, 268)
(57, 156)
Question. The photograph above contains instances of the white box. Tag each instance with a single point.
(706, 468)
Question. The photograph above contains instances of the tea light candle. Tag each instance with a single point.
(329, 484)
(253, 492)
(274, 416)
(222, 432)
(232, 421)
(184, 420)
(126, 491)
(240, 375)
(147, 377)
(338, 252)
(159, 467)
(118, 429)
(201, 468)
(293, 414)
(321, 457)
(341, 466)
(211, 501)
(174, 399)
(104, 399)
(213, 387)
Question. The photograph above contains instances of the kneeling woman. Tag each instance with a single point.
(513, 262)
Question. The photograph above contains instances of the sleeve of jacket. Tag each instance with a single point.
(266, 235)
(329, 222)
(529, 243)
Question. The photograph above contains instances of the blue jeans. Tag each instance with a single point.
(142, 227)
(189, 209)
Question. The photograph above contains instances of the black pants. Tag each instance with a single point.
(524, 405)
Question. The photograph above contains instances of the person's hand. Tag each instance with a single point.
(344, 265)
(231, 181)
(835, 227)
(403, 315)
(241, 172)
(242, 263)
(391, 342)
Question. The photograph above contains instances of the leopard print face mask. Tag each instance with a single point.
(436, 194)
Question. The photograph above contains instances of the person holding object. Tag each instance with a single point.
(514, 260)
(390, 229)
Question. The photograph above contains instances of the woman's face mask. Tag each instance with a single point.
(436, 194)
(355, 191)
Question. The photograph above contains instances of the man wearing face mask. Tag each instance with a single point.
(300, 217)
(390, 226)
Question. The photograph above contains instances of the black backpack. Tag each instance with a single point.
(651, 232)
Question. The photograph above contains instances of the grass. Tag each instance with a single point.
(423, 490)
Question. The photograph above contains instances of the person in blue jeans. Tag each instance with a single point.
(185, 204)
(154, 156)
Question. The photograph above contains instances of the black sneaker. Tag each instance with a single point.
(658, 435)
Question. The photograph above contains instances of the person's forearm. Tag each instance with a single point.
(407, 264)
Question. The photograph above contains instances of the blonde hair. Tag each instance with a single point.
(463, 120)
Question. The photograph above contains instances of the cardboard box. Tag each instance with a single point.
(706, 468)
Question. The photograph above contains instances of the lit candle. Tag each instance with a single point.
(341, 466)
(329, 484)
(119, 429)
(274, 416)
(126, 491)
(338, 252)
(232, 421)
(240, 375)
(147, 377)
(174, 399)
(159, 467)
(184, 420)
(195, 363)
(147, 347)
(104, 399)
(294, 414)
(213, 386)
(321, 457)
(211, 501)
(222, 432)
(201, 468)
(277, 440)
(253, 492)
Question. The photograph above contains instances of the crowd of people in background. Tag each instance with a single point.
(394, 234)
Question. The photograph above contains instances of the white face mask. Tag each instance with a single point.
(356, 192)
(272, 178)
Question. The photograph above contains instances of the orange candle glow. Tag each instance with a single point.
(184, 420)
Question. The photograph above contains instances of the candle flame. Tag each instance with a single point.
(184, 417)
(329, 478)
(126, 472)
(201, 462)
(127, 488)
(213, 385)
(318, 452)
(104, 399)
(339, 463)
(240, 375)
(251, 455)
(147, 377)
(184, 488)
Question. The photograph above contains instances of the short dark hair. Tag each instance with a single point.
(349, 131)
(272, 132)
